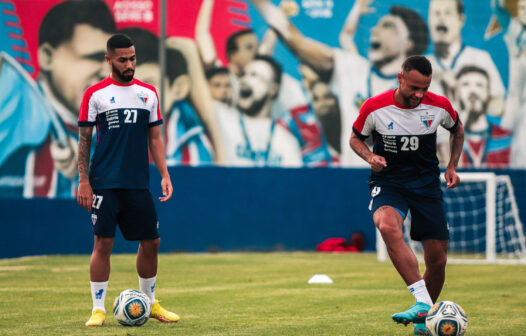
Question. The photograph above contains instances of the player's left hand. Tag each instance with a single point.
(452, 178)
(85, 195)
(166, 185)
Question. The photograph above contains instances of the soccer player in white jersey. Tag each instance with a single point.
(405, 176)
(515, 115)
(116, 189)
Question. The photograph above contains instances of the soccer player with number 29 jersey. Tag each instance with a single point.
(116, 190)
(405, 176)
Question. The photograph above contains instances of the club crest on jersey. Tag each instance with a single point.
(93, 219)
(427, 120)
(143, 97)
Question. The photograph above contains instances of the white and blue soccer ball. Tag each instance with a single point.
(446, 318)
(132, 308)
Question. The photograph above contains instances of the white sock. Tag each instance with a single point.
(98, 294)
(419, 290)
(147, 286)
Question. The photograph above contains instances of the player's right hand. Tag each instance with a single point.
(85, 195)
(377, 162)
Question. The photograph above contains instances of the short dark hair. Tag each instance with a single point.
(276, 67)
(145, 42)
(460, 7)
(472, 68)
(209, 73)
(417, 27)
(231, 42)
(59, 23)
(418, 63)
(176, 64)
(118, 41)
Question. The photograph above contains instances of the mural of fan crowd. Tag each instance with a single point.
(256, 82)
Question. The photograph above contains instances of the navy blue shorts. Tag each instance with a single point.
(132, 210)
(428, 214)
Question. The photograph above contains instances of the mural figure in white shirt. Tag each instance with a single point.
(251, 137)
(446, 20)
(514, 119)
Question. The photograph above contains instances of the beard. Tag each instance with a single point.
(255, 108)
(408, 101)
(125, 77)
(473, 114)
(441, 49)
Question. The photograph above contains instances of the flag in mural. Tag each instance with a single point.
(256, 83)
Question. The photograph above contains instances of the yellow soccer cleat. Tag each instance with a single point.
(162, 314)
(97, 318)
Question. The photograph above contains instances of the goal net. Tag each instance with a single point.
(483, 219)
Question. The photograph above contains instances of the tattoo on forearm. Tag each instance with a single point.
(84, 152)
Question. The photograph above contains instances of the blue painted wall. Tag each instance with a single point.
(225, 209)
(229, 209)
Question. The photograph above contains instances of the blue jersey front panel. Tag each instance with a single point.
(123, 115)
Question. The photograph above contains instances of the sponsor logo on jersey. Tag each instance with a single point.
(143, 97)
(112, 100)
(390, 126)
(427, 120)
(93, 219)
(375, 191)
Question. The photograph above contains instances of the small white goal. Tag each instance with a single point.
(483, 219)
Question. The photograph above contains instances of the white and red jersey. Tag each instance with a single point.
(123, 115)
(405, 137)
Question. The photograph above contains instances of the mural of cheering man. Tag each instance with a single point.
(251, 136)
(486, 144)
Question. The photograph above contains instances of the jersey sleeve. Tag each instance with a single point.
(364, 124)
(88, 110)
(155, 114)
(450, 119)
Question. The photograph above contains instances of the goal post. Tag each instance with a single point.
(483, 220)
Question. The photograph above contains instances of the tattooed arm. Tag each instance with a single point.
(456, 141)
(85, 193)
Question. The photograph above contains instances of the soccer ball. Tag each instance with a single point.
(132, 308)
(446, 318)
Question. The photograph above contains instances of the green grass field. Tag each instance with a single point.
(253, 294)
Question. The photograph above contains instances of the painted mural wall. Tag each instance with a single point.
(256, 83)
